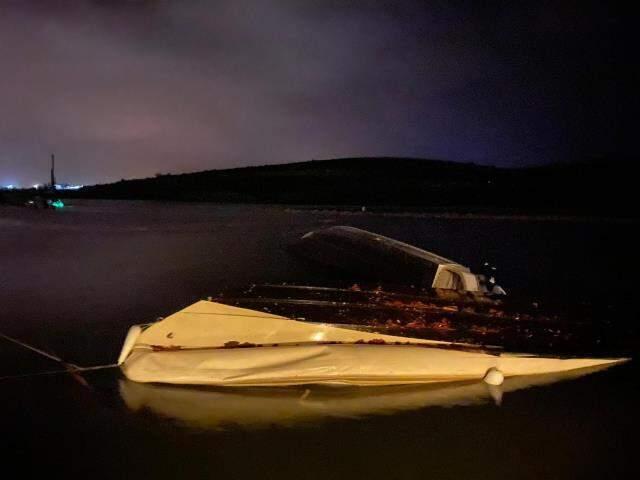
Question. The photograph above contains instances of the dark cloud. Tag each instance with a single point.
(125, 88)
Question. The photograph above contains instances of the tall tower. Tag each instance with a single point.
(53, 171)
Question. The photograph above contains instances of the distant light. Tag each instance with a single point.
(36, 186)
(64, 186)
(10, 187)
(57, 204)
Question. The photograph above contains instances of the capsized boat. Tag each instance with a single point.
(210, 343)
(371, 256)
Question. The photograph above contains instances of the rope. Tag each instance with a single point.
(56, 372)
(33, 349)
(70, 367)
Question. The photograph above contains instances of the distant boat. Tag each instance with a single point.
(210, 343)
(42, 203)
(45, 197)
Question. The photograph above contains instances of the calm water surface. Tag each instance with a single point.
(73, 281)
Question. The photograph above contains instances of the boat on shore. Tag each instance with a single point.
(214, 344)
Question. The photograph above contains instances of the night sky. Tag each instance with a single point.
(122, 89)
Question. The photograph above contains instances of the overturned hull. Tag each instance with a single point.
(210, 343)
(374, 257)
(334, 364)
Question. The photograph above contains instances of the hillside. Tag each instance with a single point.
(587, 187)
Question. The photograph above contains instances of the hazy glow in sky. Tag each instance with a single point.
(127, 88)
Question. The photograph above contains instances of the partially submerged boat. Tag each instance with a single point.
(376, 257)
(210, 343)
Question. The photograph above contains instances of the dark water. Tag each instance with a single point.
(73, 281)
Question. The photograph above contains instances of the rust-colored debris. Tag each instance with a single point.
(235, 344)
(513, 324)
(165, 348)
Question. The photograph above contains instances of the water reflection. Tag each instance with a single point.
(252, 408)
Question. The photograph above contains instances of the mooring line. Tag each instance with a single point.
(70, 367)
(57, 372)
(33, 349)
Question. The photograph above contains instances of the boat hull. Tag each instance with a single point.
(352, 364)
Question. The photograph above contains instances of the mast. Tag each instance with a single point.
(53, 171)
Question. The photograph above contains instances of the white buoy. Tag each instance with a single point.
(493, 377)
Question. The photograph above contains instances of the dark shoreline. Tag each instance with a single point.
(598, 189)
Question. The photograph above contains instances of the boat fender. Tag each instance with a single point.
(493, 377)
(129, 342)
